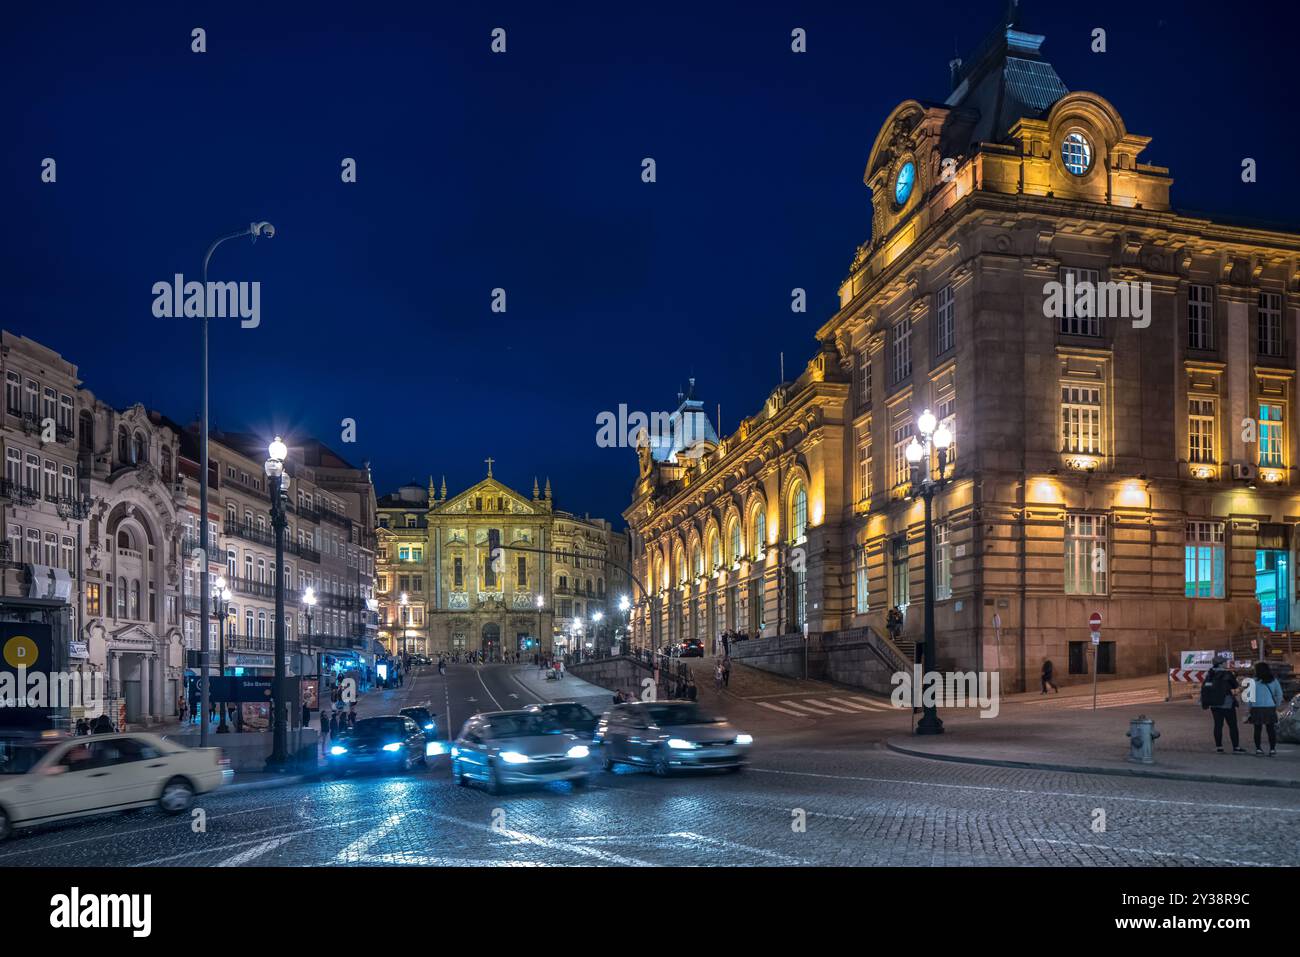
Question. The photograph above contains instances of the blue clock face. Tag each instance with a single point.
(904, 182)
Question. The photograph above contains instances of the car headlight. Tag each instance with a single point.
(514, 757)
(455, 752)
(395, 746)
(429, 726)
(579, 751)
(338, 749)
(744, 739)
(432, 748)
(681, 744)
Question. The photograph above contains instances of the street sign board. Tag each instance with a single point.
(1096, 637)
(1094, 621)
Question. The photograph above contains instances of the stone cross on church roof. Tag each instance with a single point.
(489, 460)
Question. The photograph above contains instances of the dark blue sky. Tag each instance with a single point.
(522, 171)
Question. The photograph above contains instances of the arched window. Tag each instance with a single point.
(715, 553)
(798, 514)
(681, 568)
(760, 531)
(124, 539)
(733, 533)
(140, 449)
(121, 598)
(135, 599)
(600, 586)
(123, 446)
(261, 624)
(166, 464)
(248, 623)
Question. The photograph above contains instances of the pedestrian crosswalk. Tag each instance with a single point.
(825, 706)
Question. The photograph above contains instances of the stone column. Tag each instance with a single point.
(115, 673)
(146, 689)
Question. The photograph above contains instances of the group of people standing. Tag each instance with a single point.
(1262, 694)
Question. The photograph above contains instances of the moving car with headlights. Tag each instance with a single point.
(388, 743)
(668, 736)
(46, 779)
(691, 648)
(568, 716)
(502, 748)
(425, 719)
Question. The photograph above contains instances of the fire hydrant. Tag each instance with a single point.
(1142, 734)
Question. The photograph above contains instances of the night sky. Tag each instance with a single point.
(523, 171)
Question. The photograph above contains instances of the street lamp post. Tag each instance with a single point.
(278, 452)
(404, 602)
(253, 230)
(925, 484)
(308, 603)
(625, 606)
(223, 604)
(596, 629)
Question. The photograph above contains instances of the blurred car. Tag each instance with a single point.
(57, 778)
(390, 742)
(502, 748)
(568, 716)
(669, 736)
(691, 648)
(427, 722)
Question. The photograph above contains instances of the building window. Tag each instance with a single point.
(458, 572)
(946, 414)
(863, 490)
(1076, 153)
(1085, 554)
(945, 326)
(521, 574)
(900, 351)
(1270, 435)
(861, 582)
(901, 437)
(942, 562)
(1200, 431)
(864, 382)
(1081, 419)
(92, 599)
(14, 467)
(14, 393)
(760, 532)
(1200, 317)
(1079, 315)
(1270, 324)
(715, 553)
(1203, 560)
(736, 548)
(798, 515)
(900, 578)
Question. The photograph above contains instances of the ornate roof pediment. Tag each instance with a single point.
(515, 504)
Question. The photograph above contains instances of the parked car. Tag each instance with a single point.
(390, 742)
(669, 736)
(45, 779)
(691, 648)
(501, 748)
(568, 716)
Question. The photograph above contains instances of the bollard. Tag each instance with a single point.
(1142, 734)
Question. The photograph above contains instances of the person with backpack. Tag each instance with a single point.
(1046, 678)
(1264, 698)
(1218, 698)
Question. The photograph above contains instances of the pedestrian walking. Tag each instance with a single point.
(324, 727)
(717, 676)
(306, 715)
(726, 645)
(1047, 679)
(334, 725)
(726, 671)
(1265, 694)
(1217, 695)
(184, 710)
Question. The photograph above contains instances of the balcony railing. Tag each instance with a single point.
(266, 537)
(20, 494)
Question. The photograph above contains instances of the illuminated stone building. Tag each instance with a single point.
(440, 593)
(1136, 459)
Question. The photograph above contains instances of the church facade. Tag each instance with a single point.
(553, 587)
(1120, 380)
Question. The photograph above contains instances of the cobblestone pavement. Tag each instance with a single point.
(811, 797)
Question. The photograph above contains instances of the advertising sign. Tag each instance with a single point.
(1195, 659)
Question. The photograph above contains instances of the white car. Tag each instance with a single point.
(44, 780)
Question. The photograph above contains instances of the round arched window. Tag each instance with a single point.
(1076, 153)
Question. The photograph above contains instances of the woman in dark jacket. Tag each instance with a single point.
(1047, 678)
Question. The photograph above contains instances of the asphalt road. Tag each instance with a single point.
(828, 794)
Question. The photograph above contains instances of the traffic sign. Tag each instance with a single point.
(1096, 637)
(1094, 621)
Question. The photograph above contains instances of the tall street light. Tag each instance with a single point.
(925, 483)
(625, 606)
(223, 605)
(253, 230)
(402, 613)
(277, 453)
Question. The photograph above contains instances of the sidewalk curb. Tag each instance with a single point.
(267, 784)
(1078, 769)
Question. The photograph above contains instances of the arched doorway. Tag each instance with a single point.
(491, 640)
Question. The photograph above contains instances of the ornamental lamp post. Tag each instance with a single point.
(925, 483)
(277, 453)
(309, 603)
(223, 606)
